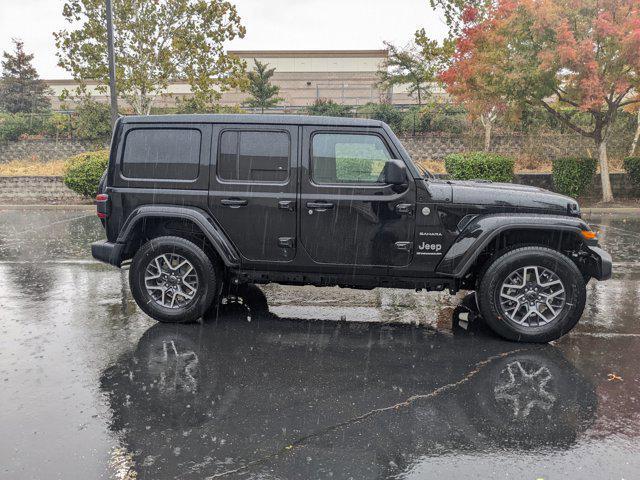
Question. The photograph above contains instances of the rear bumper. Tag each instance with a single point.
(601, 265)
(107, 252)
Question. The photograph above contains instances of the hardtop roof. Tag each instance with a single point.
(254, 119)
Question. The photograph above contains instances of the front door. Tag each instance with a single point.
(253, 187)
(348, 214)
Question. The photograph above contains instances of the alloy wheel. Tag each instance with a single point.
(532, 296)
(171, 280)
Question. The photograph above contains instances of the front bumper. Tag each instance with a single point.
(108, 252)
(600, 265)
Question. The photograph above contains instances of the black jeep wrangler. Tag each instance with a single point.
(198, 203)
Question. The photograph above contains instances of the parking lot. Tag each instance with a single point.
(328, 383)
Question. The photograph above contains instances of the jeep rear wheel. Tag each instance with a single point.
(531, 294)
(172, 280)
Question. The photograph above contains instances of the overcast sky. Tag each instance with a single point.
(271, 25)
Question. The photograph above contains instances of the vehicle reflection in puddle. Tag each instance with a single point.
(293, 398)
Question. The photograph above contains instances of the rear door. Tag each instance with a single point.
(349, 216)
(159, 163)
(253, 189)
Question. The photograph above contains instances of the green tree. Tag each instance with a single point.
(417, 65)
(263, 93)
(155, 42)
(21, 90)
(92, 120)
(192, 105)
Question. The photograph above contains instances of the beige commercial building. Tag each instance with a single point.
(348, 77)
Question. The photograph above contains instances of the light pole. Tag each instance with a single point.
(112, 65)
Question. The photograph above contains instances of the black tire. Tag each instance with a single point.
(498, 270)
(207, 277)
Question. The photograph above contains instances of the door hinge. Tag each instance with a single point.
(404, 208)
(286, 242)
(404, 246)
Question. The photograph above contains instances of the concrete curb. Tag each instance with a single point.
(47, 207)
(612, 210)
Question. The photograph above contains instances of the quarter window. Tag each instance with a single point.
(348, 158)
(162, 154)
(247, 156)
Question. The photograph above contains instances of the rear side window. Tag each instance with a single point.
(248, 156)
(348, 158)
(162, 154)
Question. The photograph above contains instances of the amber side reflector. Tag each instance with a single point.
(589, 235)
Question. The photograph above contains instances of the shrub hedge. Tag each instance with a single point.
(90, 121)
(385, 113)
(480, 165)
(329, 108)
(573, 175)
(14, 125)
(83, 172)
(632, 167)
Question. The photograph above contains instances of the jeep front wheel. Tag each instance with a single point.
(172, 280)
(531, 294)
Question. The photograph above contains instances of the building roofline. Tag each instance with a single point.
(62, 81)
(90, 82)
(310, 53)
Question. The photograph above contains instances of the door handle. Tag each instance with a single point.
(286, 205)
(233, 203)
(320, 206)
(286, 242)
(404, 208)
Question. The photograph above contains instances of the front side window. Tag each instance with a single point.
(248, 156)
(348, 158)
(162, 154)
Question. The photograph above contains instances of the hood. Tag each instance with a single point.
(511, 195)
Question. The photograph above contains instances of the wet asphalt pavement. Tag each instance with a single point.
(92, 388)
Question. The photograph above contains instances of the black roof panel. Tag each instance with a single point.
(254, 119)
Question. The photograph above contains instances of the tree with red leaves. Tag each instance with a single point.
(583, 54)
(454, 10)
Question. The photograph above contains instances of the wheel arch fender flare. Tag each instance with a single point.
(483, 229)
(205, 222)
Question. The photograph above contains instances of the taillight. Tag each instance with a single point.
(102, 205)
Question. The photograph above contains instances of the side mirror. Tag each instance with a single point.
(395, 172)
